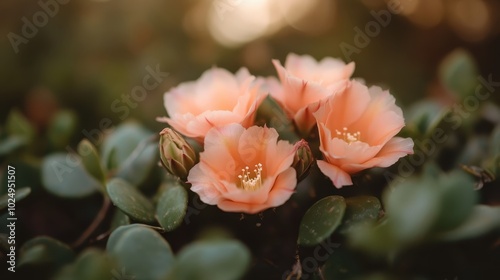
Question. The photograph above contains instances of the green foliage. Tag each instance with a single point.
(458, 72)
(321, 220)
(18, 125)
(131, 201)
(90, 160)
(118, 146)
(139, 165)
(61, 129)
(91, 264)
(211, 259)
(172, 206)
(141, 252)
(64, 175)
(359, 210)
(11, 144)
(44, 253)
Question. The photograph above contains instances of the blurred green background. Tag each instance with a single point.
(85, 54)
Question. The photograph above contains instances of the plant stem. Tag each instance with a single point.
(95, 223)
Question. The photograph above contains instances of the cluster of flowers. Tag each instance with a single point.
(244, 167)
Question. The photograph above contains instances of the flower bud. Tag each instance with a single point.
(177, 156)
(303, 159)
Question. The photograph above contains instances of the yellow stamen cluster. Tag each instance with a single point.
(347, 136)
(251, 183)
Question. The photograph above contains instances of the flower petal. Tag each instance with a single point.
(339, 177)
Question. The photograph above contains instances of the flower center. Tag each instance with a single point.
(248, 182)
(347, 136)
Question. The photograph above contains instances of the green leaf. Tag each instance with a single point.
(90, 160)
(212, 259)
(45, 252)
(377, 238)
(141, 252)
(63, 175)
(119, 219)
(321, 220)
(92, 264)
(139, 164)
(18, 125)
(457, 200)
(483, 219)
(271, 113)
(171, 207)
(11, 144)
(424, 117)
(458, 72)
(413, 207)
(122, 142)
(61, 129)
(360, 209)
(131, 201)
(20, 194)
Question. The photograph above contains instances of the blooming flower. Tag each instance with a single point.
(304, 81)
(357, 126)
(244, 170)
(217, 98)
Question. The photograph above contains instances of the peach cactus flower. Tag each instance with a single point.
(304, 81)
(217, 98)
(357, 126)
(244, 170)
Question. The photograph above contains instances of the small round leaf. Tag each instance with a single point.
(63, 175)
(321, 220)
(171, 207)
(212, 259)
(130, 201)
(90, 160)
(141, 252)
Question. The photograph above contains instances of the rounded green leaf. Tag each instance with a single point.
(11, 144)
(171, 207)
(321, 220)
(425, 116)
(19, 195)
(130, 201)
(413, 207)
(45, 251)
(458, 72)
(139, 164)
(211, 259)
(482, 220)
(457, 200)
(360, 209)
(141, 252)
(90, 160)
(61, 129)
(64, 175)
(91, 264)
(122, 142)
(119, 219)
